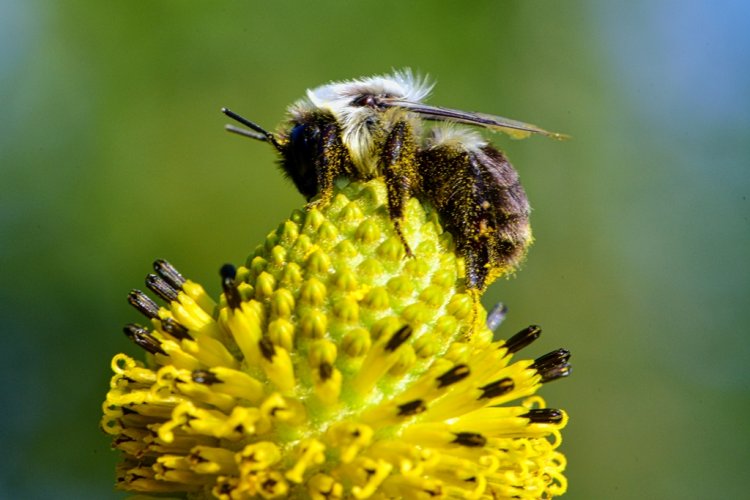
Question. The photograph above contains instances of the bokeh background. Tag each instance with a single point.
(112, 153)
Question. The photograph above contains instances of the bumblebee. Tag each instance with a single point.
(375, 127)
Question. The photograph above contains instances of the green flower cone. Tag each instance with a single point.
(333, 366)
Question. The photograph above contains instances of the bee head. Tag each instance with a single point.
(364, 109)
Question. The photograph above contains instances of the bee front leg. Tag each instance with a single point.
(330, 163)
(401, 174)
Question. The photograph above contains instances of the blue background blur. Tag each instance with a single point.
(112, 154)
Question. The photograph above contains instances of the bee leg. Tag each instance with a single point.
(330, 164)
(476, 260)
(476, 268)
(476, 322)
(401, 174)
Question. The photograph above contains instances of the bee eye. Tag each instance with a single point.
(368, 100)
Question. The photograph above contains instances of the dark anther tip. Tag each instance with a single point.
(169, 273)
(131, 329)
(556, 372)
(161, 287)
(554, 358)
(455, 374)
(412, 408)
(497, 388)
(523, 338)
(325, 371)
(553, 365)
(470, 439)
(143, 303)
(267, 349)
(204, 377)
(142, 338)
(228, 271)
(544, 416)
(398, 338)
(174, 328)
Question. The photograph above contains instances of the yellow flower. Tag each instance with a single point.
(333, 367)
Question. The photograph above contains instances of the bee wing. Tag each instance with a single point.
(513, 128)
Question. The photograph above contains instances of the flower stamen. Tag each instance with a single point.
(334, 367)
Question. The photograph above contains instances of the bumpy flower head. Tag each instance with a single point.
(333, 366)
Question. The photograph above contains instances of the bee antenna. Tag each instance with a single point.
(257, 132)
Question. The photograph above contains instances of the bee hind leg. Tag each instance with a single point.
(476, 270)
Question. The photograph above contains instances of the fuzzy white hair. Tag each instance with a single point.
(336, 98)
(401, 84)
(455, 136)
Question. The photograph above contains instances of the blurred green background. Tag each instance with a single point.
(112, 153)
